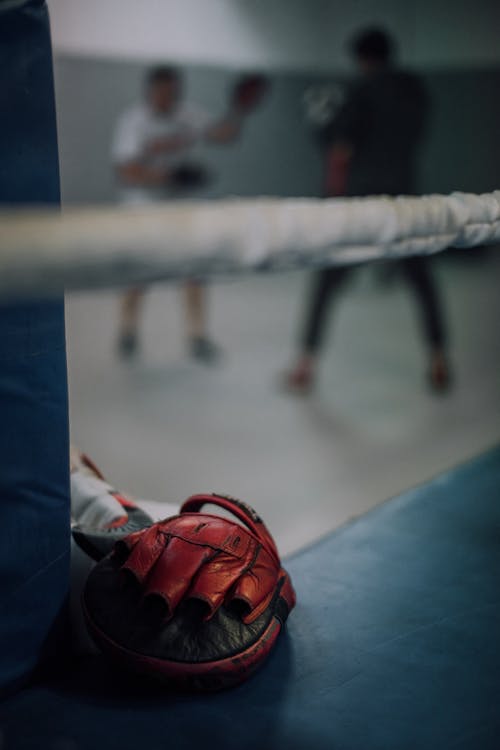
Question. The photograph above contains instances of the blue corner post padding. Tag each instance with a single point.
(34, 484)
(394, 645)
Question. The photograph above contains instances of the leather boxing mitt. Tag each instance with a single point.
(248, 92)
(189, 176)
(197, 600)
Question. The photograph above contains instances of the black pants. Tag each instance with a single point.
(417, 274)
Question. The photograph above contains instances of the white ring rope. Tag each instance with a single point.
(43, 250)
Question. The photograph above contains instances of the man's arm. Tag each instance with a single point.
(226, 130)
(135, 173)
(245, 97)
(170, 144)
(131, 152)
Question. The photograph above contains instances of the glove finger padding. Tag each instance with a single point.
(197, 600)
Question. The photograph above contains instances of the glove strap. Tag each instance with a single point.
(241, 511)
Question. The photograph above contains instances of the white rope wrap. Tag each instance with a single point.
(43, 251)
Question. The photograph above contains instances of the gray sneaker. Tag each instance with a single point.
(127, 344)
(204, 350)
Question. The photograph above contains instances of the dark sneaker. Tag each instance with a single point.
(204, 350)
(128, 345)
(298, 381)
(440, 378)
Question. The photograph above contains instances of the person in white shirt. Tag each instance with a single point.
(154, 155)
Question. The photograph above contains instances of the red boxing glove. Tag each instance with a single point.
(205, 601)
(248, 92)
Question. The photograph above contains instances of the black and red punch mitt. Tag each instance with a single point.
(197, 600)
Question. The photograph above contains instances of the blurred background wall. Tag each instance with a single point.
(284, 34)
(103, 48)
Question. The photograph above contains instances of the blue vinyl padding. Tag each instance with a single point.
(34, 464)
(394, 645)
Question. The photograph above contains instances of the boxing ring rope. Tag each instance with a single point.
(43, 250)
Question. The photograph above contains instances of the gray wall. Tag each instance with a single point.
(277, 154)
(463, 148)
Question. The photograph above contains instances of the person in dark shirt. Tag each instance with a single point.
(374, 140)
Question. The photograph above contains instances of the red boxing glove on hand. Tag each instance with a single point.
(248, 92)
(206, 599)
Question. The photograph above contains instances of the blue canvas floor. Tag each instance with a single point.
(394, 644)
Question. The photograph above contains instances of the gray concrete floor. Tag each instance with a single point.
(165, 427)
